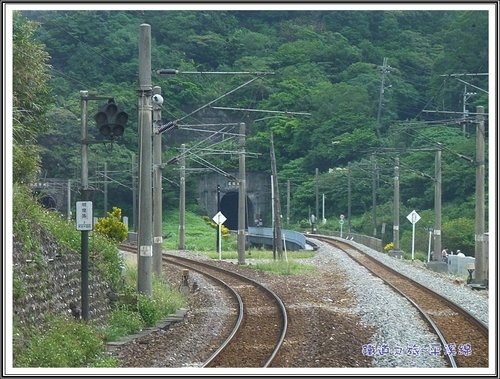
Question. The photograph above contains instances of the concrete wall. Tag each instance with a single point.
(458, 265)
(258, 188)
(47, 281)
(371, 242)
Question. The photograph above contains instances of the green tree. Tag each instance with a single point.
(458, 234)
(31, 98)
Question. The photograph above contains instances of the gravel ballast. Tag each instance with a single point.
(341, 317)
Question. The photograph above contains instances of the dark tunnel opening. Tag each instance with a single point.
(229, 208)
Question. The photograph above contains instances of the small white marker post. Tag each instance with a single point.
(429, 248)
(341, 222)
(413, 217)
(219, 219)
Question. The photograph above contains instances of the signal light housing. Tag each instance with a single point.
(111, 120)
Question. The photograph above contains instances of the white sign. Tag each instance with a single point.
(413, 217)
(219, 218)
(84, 215)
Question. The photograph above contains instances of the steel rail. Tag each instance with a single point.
(188, 263)
(281, 305)
(241, 308)
(481, 326)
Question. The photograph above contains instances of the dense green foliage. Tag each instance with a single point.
(326, 63)
(30, 99)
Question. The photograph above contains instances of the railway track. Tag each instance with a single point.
(463, 338)
(260, 317)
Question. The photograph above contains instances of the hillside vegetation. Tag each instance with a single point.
(367, 79)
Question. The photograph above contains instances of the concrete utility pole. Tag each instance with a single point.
(323, 220)
(242, 195)
(105, 188)
(145, 250)
(85, 196)
(385, 70)
(466, 96)
(288, 202)
(182, 199)
(276, 204)
(316, 177)
(480, 252)
(157, 189)
(395, 227)
(349, 197)
(374, 194)
(134, 191)
(437, 205)
(68, 197)
(218, 226)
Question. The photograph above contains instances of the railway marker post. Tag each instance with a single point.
(413, 217)
(219, 219)
(341, 222)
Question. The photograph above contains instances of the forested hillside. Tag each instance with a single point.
(376, 85)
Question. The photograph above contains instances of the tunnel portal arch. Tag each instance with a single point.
(229, 208)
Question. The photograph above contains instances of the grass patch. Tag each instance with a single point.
(283, 267)
(199, 235)
(66, 343)
(164, 299)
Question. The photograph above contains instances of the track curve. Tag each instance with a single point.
(260, 322)
(259, 331)
(463, 337)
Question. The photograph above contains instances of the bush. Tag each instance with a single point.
(112, 226)
(65, 344)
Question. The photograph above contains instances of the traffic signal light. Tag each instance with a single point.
(111, 120)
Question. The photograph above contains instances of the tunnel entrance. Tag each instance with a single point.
(229, 208)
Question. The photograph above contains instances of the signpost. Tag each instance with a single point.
(219, 219)
(84, 219)
(84, 223)
(413, 217)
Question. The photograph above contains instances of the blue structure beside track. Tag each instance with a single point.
(258, 235)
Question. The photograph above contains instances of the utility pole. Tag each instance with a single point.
(316, 177)
(276, 204)
(68, 197)
(385, 70)
(242, 196)
(480, 252)
(145, 250)
(134, 191)
(182, 200)
(85, 196)
(105, 187)
(218, 226)
(395, 227)
(157, 188)
(349, 197)
(437, 205)
(323, 220)
(374, 194)
(288, 202)
(466, 96)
